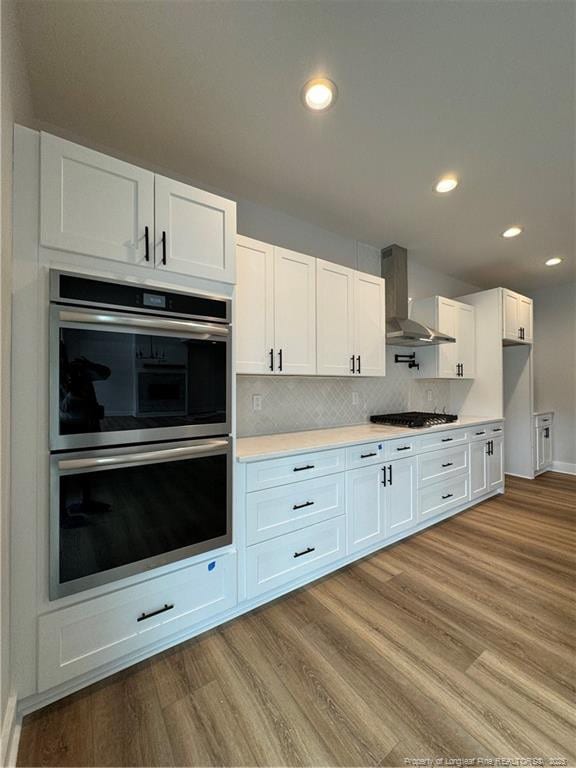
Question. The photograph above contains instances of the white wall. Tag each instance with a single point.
(555, 365)
(16, 107)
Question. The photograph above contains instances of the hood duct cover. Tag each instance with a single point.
(401, 331)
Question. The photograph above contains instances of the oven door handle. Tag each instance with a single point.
(148, 323)
(147, 457)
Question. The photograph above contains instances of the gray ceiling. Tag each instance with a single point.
(211, 90)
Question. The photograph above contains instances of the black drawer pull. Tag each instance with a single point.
(301, 469)
(367, 455)
(448, 496)
(480, 433)
(449, 464)
(498, 429)
(404, 448)
(301, 506)
(447, 439)
(144, 616)
(304, 552)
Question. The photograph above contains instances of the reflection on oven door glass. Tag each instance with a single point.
(112, 381)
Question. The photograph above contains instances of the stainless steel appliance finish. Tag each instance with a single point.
(135, 509)
(414, 419)
(401, 331)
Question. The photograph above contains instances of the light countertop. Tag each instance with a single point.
(542, 413)
(272, 446)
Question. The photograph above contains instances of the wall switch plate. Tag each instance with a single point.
(355, 398)
(256, 402)
(429, 395)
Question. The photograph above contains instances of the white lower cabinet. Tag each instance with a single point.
(438, 498)
(496, 464)
(271, 564)
(400, 512)
(486, 466)
(78, 639)
(543, 424)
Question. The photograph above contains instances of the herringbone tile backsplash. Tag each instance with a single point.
(292, 403)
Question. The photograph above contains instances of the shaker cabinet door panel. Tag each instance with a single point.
(95, 205)
(466, 340)
(401, 502)
(335, 319)
(365, 507)
(478, 469)
(254, 307)
(369, 324)
(195, 231)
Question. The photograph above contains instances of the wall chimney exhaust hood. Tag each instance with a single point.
(401, 331)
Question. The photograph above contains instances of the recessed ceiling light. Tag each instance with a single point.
(446, 184)
(553, 261)
(319, 94)
(512, 232)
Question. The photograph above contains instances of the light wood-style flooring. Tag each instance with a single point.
(456, 643)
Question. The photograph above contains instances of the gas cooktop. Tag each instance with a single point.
(414, 419)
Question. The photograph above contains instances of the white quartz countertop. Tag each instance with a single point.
(272, 446)
(542, 413)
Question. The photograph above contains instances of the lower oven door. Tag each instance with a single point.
(117, 512)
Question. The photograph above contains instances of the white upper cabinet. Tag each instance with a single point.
(516, 318)
(94, 204)
(275, 310)
(254, 306)
(350, 322)
(294, 312)
(454, 318)
(195, 231)
(369, 325)
(335, 319)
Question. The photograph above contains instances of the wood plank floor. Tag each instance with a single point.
(456, 643)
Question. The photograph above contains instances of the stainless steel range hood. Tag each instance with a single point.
(401, 331)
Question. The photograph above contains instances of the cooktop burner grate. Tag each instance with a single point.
(414, 419)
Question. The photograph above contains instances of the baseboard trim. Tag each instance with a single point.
(566, 467)
(10, 735)
(517, 474)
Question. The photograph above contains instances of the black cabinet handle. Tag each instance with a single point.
(353, 364)
(384, 476)
(547, 432)
(271, 353)
(404, 448)
(358, 359)
(301, 469)
(447, 439)
(461, 369)
(367, 455)
(497, 429)
(490, 445)
(448, 496)
(144, 616)
(163, 247)
(301, 506)
(280, 360)
(480, 433)
(448, 464)
(147, 243)
(390, 474)
(304, 552)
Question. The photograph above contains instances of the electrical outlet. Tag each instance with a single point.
(256, 402)
(429, 395)
(355, 398)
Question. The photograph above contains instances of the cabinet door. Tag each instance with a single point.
(466, 340)
(334, 319)
(365, 499)
(254, 307)
(195, 231)
(447, 321)
(478, 469)
(400, 508)
(546, 446)
(294, 312)
(496, 464)
(510, 312)
(369, 324)
(94, 204)
(525, 317)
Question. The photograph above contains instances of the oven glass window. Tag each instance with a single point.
(110, 518)
(110, 381)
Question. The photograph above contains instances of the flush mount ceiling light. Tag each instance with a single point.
(319, 94)
(446, 184)
(512, 232)
(554, 261)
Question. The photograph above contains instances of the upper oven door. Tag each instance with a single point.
(119, 378)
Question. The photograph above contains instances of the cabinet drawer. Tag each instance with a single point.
(362, 455)
(481, 432)
(544, 419)
(274, 563)
(288, 469)
(447, 439)
(440, 497)
(80, 638)
(402, 447)
(438, 465)
(288, 508)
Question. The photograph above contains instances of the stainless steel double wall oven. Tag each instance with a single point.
(140, 421)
